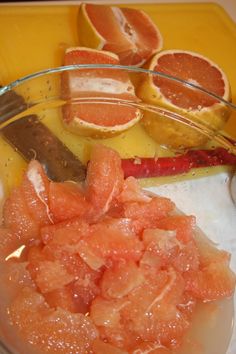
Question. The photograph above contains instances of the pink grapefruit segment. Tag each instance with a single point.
(63, 298)
(26, 209)
(67, 201)
(130, 33)
(105, 178)
(91, 118)
(213, 282)
(44, 328)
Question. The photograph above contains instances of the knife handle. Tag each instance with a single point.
(33, 140)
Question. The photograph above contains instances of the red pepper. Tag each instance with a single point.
(168, 166)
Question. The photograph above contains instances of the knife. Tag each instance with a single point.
(33, 140)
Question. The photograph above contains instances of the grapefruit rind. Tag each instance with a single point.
(173, 133)
(83, 128)
(95, 50)
(88, 35)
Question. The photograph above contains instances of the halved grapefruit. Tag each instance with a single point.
(97, 119)
(130, 33)
(186, 101)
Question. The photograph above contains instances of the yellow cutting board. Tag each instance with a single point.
(33, 38)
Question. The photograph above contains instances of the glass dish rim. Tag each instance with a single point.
(133, 69)
(222, 138)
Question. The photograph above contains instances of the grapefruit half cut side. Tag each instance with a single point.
(112, 87)
(130, 33)
(187, 101)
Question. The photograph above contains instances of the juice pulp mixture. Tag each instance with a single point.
(102, 267)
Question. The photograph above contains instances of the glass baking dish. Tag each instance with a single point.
(178, 153)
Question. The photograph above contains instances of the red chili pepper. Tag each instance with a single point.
(169, 166)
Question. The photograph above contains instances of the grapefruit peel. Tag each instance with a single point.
(81, 127)
(87, 30)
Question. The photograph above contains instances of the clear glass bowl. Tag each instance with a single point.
(168, 149)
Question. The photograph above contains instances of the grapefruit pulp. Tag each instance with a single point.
(96, 280)
(91, 118)
(130, 33)
(186, 101)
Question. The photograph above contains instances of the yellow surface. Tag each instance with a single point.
(33, 38)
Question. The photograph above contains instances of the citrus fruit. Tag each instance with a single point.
(208, 253)
(51, 330)
(147, 214)
(104, 178)
(152, 313)
(121, 279)
(62, 297)
(151, 348)
(213, 282)
(163, 248)
(52, 275)
(184, 226)
(106, 312)
(132, 193)
(35, 187)
(59, 230)
(110, 242)
(101, 119)
(106, 267)
(130, 33)
(67, 201)
(101, 347)
(26, 209)
(188, 102)
(9, 242)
